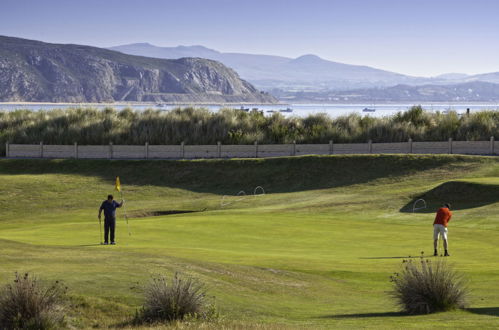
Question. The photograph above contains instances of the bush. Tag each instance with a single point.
(175, 300)
(26, 304)
(425, 287)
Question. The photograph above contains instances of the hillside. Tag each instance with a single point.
(35, 71)
(323, 240)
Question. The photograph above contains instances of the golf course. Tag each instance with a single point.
(314, 249)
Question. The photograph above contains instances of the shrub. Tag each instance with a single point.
(425, 287)
(177, 299)
(26, 304)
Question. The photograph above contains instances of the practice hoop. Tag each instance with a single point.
(420, 201)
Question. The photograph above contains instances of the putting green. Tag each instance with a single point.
(315, 252)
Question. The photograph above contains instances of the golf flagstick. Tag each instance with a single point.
(124, 214)
(118, 188)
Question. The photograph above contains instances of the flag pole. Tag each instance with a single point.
(124, 215)
(118, 188)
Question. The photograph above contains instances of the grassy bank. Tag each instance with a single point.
(315, 252)
(200, 126)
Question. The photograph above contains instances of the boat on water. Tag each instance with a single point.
(368, 110)
(243, 109)
(286, 110)
(160, 105)
(271, 111)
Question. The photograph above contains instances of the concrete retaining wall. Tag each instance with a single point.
(246, 151)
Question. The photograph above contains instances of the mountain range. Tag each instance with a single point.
(267, 71)
(35, 71)
(307, 72)
(311, 75)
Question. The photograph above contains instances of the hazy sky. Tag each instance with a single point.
(418, 37)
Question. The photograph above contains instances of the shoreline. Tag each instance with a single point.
(241, 103)
(139, 103)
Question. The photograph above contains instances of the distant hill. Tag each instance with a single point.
(308, 72)
(37, 71)
(305, 74)
(492, 77)
(476, 91)
(452, 76)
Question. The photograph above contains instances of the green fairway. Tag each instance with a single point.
(316, 251)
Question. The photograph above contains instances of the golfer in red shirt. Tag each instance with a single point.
(440, 227)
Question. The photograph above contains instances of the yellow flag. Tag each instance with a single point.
(117, 185)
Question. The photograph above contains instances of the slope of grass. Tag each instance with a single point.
(315, 252)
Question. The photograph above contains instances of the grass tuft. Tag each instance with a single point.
(26, 304)
(178, 299)
(426, 286)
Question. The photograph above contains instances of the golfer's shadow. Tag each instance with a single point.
(405, 257)
(84, 245)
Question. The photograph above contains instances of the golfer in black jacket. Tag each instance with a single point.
(109, 206)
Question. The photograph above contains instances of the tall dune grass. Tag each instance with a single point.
(200, 126)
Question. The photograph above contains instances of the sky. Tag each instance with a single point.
(416, 37)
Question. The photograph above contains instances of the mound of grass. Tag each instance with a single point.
(26, 304)
(426, 287)
(284, 174)
(460, 194)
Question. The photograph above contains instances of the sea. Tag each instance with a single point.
(299, 109)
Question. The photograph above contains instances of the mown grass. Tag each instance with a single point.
(316, 251)
(89, 126)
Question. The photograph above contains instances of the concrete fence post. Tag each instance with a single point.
(492, 151)
(410, 145)
(370, 146)
(41, 149)
(450, 145)
(146, 150)
(293, 152)
(331, 146)
(219, 149)
(182, 150)
(75, 150)
(7, 149)
(110, 155)
(256, 149)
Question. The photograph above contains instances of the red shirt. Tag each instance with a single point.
(443, 216)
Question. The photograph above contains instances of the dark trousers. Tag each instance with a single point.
(109, 226)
